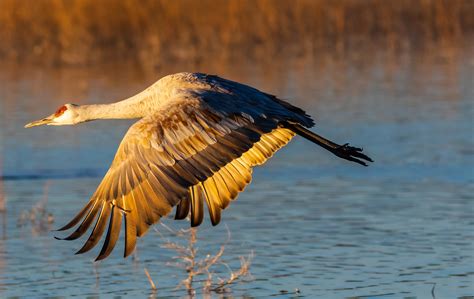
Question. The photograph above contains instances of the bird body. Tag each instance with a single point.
(197, 140)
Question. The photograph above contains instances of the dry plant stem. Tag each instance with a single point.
(152, 284)
(97, 275)
(38, 216)
(195, 266)
(191, 259)
(235, 275)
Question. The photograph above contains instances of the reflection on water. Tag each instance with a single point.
(316, 224)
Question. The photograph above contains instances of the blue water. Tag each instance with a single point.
(318, 226)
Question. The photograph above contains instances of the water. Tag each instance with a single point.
(316, 224)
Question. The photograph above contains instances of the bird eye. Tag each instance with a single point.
(60, 111)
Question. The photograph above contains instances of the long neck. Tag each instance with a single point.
(134, 107)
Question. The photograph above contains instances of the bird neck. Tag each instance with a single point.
(126, 109)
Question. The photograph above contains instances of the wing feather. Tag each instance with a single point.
(86, 223)
(85, 210)
(212, 200)
(197, 207)
(138, 214)
(98, 229)
(182, 209)
(130, 234)
(225, 184)
(112, 233)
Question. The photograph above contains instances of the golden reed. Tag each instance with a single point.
(89, 31)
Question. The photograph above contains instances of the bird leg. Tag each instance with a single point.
(351, 153)
(344, 151)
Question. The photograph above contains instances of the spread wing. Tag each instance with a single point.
(184, 155)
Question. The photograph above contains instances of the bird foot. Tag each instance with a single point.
(351, 153)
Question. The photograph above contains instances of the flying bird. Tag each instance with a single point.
(197, 139)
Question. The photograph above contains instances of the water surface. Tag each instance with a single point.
(316, 224)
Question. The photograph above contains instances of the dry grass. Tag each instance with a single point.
(159, 31)
(202, 266)
(38, 216)
(152, 284)
(243, 271)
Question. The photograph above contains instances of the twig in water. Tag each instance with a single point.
(152, 284)
(39, 218)
(190, 258)
(97, 275)
(187, 258)
(235, 275)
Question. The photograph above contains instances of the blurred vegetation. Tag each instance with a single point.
(83, 32)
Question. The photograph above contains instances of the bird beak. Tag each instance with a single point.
(41, 122)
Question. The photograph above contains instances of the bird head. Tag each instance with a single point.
(64, 115)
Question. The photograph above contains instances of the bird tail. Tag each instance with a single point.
(345, 151)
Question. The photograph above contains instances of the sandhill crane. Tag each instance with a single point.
(198, 138)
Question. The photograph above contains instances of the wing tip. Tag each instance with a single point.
(100, 257)
(127, 253)
(215, 222)
(195, 223)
